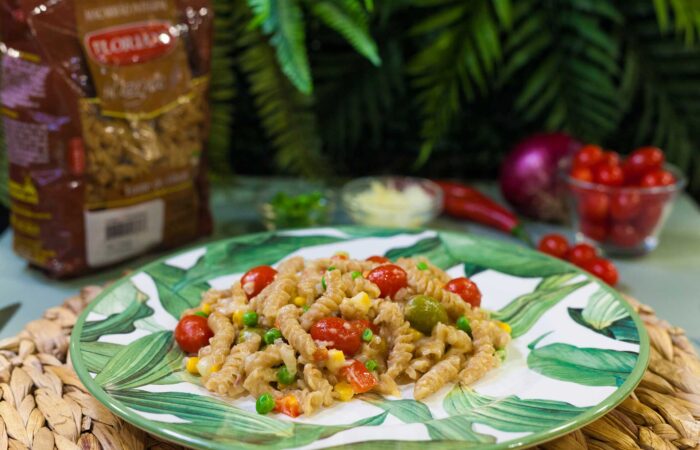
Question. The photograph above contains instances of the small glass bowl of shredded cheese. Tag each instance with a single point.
(392, 201)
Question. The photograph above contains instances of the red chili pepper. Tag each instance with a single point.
(465, 202)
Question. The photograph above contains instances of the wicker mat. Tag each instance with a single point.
(44, 405)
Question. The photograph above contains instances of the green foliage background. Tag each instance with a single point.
(325, 88)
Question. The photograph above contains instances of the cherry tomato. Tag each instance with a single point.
(554, 244)
(581, 254)
(588, 156)
(594, 230)
(256, 279)
(610, 158)
(465, 288)
(389, 278)
(593, 206)
(379, 259)
(603, 269)
(608, 175)
(643, 160)
(288, 405)
(338, 333)
(650, 216)
(625, 204)
(657, 178)
(624, 235)
(359, 377)
(192, 333)
(582, 174)
(361, 325)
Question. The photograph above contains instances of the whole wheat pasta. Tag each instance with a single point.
(386, 345)
(329, 301)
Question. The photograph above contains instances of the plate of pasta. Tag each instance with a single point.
(362, 338)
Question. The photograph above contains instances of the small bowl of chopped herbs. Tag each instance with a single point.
(297, 207)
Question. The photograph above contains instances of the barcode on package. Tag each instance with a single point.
(119, 233)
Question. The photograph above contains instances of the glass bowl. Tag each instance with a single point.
(392, 201)
(623, 221)
(296, 205)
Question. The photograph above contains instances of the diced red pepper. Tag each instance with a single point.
(359, 377)
(288, 405)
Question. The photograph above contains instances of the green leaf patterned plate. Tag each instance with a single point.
(578, 350)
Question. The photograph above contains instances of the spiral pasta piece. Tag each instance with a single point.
(459, 341)
(237, 300)
(329, 301)
(229, 380)
(484, 358)
(219, 345)
(354, 286)
(288, 320)
(291, 266)
(282, 293)
(401, 337)
(438, 375)
(320, 390)
(310, 284)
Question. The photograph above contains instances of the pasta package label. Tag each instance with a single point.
(105, 115)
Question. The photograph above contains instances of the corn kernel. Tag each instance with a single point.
(416, 334)
(237, 317)
(342, 254)
(206, 308)
(344, 391)
(299, 301)
(191, 365)
(336, 360)
(215, 368)
(361, 301)
(505, 327)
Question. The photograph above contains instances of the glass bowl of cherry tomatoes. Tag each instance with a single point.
(621, 205)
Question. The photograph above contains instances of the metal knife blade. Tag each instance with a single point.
(6, 313)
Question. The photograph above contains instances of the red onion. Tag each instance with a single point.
(529, 175)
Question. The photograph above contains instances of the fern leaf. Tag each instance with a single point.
(283, 21)
(349, 19)
(685, 14)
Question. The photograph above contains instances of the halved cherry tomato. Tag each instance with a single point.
(338, 333)
(389, 278)
(593, 206)
(288, 405)
(554, 244)
(624, 235)
(256, 279)
(379, 259)
(359, 377)
(603, 269)
(657, 178)
(581, 254)
(625, 204)
(597, 231)
(641, 161)
(361, 325)
(192, 333)
(608, 175)
(465, 288)
(588, 156)
(582, 174)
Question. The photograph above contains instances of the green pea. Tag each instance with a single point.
(272, 335)
(355, 274)
(371, 365)
(201, 313)
(422, 266)
(501, 353)
(367, 335)
(264, 404)
(464, 325)
(323, 283)
(250, 318)
(245, 334)
(284, 376)
(424, 313)
(331, 268)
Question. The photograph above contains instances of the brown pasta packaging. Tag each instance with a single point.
(105, 116)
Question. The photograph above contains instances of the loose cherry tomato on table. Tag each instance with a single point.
(582, 174)
(256, 279)
(641, 161)
(465, 288)
(554, 244)
(603, 269)
(593, 206)
(359, 377)
(657, 178)
(379, 259)
(581, 254)
(608, 175)
(588, 156)
(625, 204)
(192, 333)
(288, 405)
(338, 333)
(389, 278)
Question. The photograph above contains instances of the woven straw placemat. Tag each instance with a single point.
(44, 405)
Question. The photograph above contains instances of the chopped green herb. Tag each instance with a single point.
(331, 268)
(422, 266)
(501, 353)
(305, 308)
(201, 313)
(323, 283)
(355, 274)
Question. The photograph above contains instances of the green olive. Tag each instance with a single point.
(424, 313)
(247, 331)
